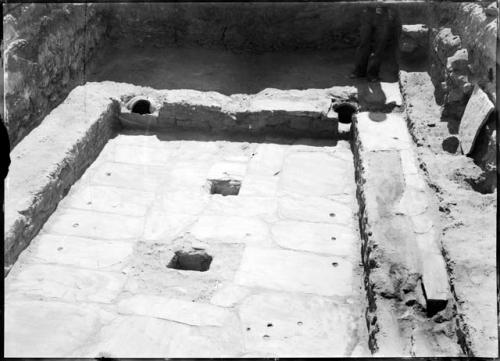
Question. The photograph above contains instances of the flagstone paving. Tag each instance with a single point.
(285, 277)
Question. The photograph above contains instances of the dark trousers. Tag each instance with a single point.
(374, 38)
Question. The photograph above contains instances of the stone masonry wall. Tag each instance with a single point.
(463, 53)
(48, 48)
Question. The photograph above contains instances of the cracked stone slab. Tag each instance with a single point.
(65, 283)
(280, 326)
(186, 312)
(48, 329)
(295, 272)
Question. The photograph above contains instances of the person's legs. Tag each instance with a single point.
(363, 50)
(381, 36)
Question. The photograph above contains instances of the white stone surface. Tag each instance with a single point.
(191, 313)
(268, 160)
(259, 185)
(305, 326)
(316, 174)
(108, 199)
(243, 206)
(137, 154)
(163, 226)
(65, 283)
(230, 295)
(135, 337)
(80, 252)
(383, 131)
(47, 329)
(140, 177)
(316, 237)
(97, 225)
(315, 209)
(231, 229)
(295, 272)
(227, 170)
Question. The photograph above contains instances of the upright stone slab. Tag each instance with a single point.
(476, 113)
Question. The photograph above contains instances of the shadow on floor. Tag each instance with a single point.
(234, 137)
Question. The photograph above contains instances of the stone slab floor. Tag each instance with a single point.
(285, 279)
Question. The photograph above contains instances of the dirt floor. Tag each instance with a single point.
(468, 217)
(285, 278)
(227, 72)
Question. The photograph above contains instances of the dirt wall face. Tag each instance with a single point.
(48, 48)
(247, 27)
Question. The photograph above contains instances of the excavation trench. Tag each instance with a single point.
(253, 211)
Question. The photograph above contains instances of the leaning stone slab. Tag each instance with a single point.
(476, 113)
(50, 159)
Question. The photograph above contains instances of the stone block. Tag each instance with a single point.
(295, 272)
(64, 283)
(458, 61)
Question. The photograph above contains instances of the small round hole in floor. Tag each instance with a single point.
(345, 112)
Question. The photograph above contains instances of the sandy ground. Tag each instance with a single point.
(468, 217)
(285, 279)
(225, 71)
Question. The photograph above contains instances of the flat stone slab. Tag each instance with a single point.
(295, 272)
(110, 199)
(475, 115)
(322, 238)
(80, 252)
(382, 131)
(135, 337)
(231, 229)
(267, 160)
(279, 325)
(315, 209)
(317, 174)
(227, 170)
(162, 226)
(190, 313)
(259, 185)
(65, 283)
(96, 225)
(47, 329)
(380, 95)
(138, 177)
(243, 206)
